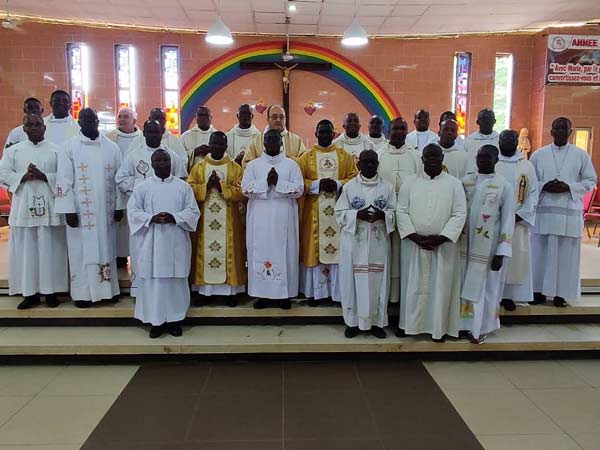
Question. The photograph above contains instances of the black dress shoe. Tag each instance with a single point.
(442, 339)
(560, 302)
(174, 329)
(52, 301)
(508, 304)
(312, 302)
(29, 302)
(538, 299)
(378, 332)
(261, 303)
(351, 332)
(156, 331)
(83, 303)
(122, 262)
(200, 300)
(112, 300)
(231, 301)
(285, 304)
(400, 333)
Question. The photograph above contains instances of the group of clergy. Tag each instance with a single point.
(450, 229)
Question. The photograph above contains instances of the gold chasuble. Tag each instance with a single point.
(220, 246)
(319, 232)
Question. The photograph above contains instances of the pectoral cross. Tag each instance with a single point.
(286, 67)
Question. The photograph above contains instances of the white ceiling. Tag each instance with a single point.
(325, 17)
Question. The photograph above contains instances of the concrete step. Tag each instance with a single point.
(588, 305)
(285, 339)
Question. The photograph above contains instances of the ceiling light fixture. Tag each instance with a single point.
(218, 33)
(355, 35)
(291, 7)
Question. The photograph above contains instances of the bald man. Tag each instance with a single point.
(292, 146)
(352, 140)
(422, 135)
(240, 136)
(195, 140)
(126, 130)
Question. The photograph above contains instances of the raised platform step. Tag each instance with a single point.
(286, 339)
(588, 305)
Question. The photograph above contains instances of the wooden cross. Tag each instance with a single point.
(286, 67)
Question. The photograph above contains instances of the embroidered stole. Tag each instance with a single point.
(329, 231)
(215, 230)
(518, 269)
(478, 245)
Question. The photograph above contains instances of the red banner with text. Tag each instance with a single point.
(573, 59)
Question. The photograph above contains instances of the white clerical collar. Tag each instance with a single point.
(357, 140)
(196, 129)
(451, 149)
(53, 119)
(396, 150)
(377, 140)
(485, 137)
(486, 175)
(369, 181)
(160, 180)
(87, 141)
(36, 144)
(244, 132)
(518, 156)
(557, 148)
(273, 159)
(428, 178)
(423, 133)
(134, 133)
(152, 149)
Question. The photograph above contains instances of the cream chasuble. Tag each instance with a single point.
(238, 139)
(59, 131)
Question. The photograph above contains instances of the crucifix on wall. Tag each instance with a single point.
(286, 67)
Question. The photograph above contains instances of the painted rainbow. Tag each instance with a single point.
(226, 68)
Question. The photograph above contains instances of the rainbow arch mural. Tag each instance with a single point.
(219, 73)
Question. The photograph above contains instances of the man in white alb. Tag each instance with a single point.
(162, 214)
(486, 119)
(195, 140)
(37, 246)
(60, 125)
(87, 193)
(430, 216)
(376, 136)
(273, 183)
(398, 162)
(31, 105)
(240, 136)
(123, 136)
(565, 174)
(456, 159)
(422, 135)
(352, 140)
(520, 173)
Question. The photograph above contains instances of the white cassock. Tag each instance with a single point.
(354, 146)
(164, 251)
(85, 184)
(136, 168)
(488, 232)
(379, 144)
(430, 283)
(456, 161)
(365, 251)
(238, 139)
(474, 142)
(193, 138)
(395, 166)
(556, 236)
(59, 131)
(169, 141)
(37, 260)
(16, 135)
(272, 226)
(123, 140)
(420, 139)
(520, 173)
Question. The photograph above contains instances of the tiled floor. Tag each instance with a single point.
(528, 405)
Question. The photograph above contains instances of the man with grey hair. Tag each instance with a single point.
(123, 136)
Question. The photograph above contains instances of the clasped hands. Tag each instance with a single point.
(428, 242)
(33, 173)
(272, 177)
(162, 218)
(370, 214)
(214, 182)
(556, 187)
